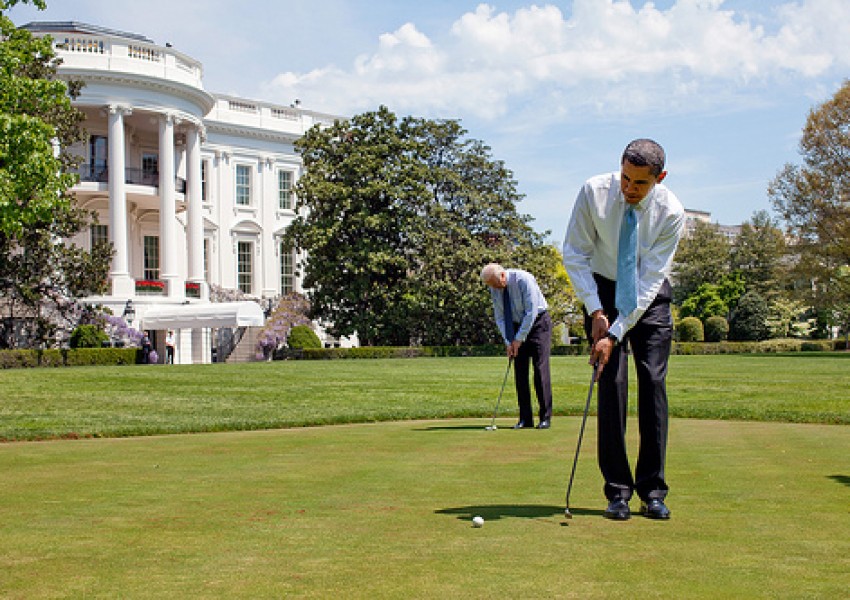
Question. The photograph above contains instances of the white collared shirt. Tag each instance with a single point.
(593, 234)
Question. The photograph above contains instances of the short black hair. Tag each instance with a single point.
(645, 153)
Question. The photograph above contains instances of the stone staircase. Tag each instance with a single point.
(246, 349)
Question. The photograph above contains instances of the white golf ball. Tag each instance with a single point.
(477, 521)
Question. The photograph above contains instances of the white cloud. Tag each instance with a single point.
(606, 57)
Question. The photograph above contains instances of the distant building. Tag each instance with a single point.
(692, 217)
(192, 188)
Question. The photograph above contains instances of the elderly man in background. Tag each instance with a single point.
(521, 315)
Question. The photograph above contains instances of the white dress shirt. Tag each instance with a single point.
(593, 234)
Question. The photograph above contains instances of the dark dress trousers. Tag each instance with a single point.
(536, 348)
(650, 342)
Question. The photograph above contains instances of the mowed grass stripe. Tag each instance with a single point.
(383, 511)
(145, 400)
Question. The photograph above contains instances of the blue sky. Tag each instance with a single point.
(556, 89)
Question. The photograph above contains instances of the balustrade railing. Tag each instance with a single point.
(100, 174)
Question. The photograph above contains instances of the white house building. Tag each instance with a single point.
(192, 188)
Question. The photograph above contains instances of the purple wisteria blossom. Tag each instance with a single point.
(291, 310)
(119, 331)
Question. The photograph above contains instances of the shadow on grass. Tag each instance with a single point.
(494, 512)
(842, 479)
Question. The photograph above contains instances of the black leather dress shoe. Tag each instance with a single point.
(544, 424)
(618, 510)
(523, 425)
(655, 509)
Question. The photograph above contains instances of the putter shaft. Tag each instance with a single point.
(492, 426)
(567, 512)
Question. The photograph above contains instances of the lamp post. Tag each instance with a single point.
(129, 312)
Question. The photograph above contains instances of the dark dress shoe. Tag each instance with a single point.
(618, 510)
(523, 425)
(655, 509)
(544, 424)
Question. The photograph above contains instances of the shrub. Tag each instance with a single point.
(302, 337)
(88, 336)
(690, 330)
(99, 356)
(749, 319)
(716, 329)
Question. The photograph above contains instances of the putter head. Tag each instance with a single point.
(491, 428)
(567, 513)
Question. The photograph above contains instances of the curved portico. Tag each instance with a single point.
(188, 186)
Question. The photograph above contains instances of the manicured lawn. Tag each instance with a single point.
(143, 400)
(760, 510)
(364, 509)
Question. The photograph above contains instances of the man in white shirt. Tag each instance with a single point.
(604, 206)
(169, 348)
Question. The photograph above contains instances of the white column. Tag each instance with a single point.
(167, 210)
(122, 284)
(195, 219)
(268, 209)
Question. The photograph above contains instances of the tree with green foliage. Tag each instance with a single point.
(705, 302)
(397, 217)
(39, 276)
(702, 257)
(749, 320)
(714, 299)
(785, 317)
(758, 253)
(88, 336)
(814, 201)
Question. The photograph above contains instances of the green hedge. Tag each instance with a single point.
(411, 352)
(764, 347)
(22, 359)
(387, 352)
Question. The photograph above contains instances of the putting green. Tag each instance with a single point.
(759, 510)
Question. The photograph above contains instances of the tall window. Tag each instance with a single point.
(99, 235)
(98, 157)
(284, 190)
(205, 172)
(244, 270)
(243, 185)
(150, 168)
(287, 269)
(151, 257)
(207, 260)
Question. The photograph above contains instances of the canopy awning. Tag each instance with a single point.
(198, 316)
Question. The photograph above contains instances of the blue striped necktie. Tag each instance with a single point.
(626, 299)
(509, 315)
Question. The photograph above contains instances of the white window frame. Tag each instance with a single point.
(249, 244)
(98, 234)
(287, 269)
(285, 194)
(205, 184)
(242, 189)
(153, 267)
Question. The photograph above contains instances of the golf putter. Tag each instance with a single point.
(492, 425)
(567, 512)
